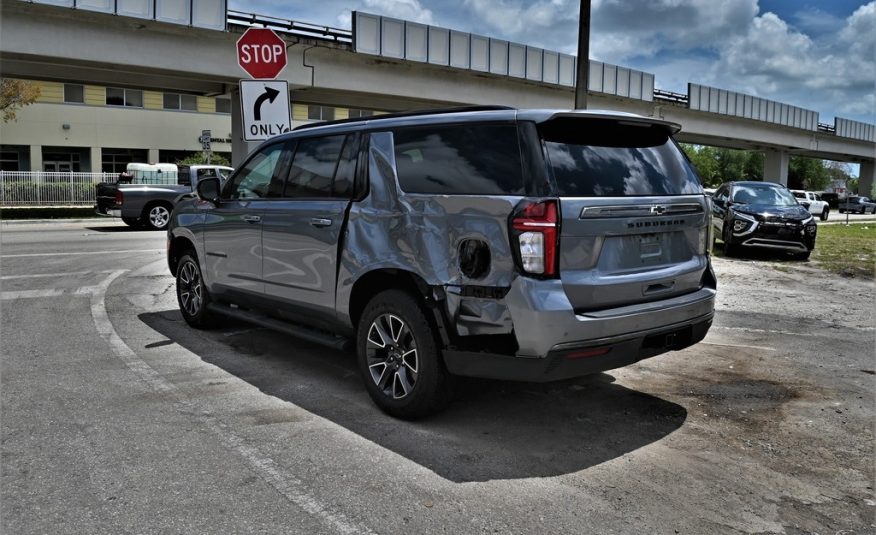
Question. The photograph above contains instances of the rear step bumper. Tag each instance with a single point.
(570, 360)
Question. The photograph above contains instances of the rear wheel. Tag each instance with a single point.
(399, 358)
(825, 213)
(191, 293)
(158, 216)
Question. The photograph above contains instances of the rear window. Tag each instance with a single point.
(459, 160)
(595, 158)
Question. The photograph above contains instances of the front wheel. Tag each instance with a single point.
(158, 216)
(191, 294)
(824, 214)
(399, 358)
(802, 256)
(729, 248)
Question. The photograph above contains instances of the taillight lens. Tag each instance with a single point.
(119, 198)
(536, 231)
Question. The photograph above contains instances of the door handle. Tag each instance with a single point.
(252, 218)
(320, 222)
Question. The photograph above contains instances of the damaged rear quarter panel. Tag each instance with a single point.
(421, 234)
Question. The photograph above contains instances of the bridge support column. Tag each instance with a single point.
(866, 179)
(775, 167)
(239, 147)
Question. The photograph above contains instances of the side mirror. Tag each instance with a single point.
(208, 190)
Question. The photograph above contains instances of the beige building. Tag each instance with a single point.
(84, 127)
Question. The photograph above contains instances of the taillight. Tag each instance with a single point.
(119, 198)
(536, 232)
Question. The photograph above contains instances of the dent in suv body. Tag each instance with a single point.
(527, 245)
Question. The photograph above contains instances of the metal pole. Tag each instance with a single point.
(583, 56)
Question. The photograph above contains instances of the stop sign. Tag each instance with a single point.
(261, 53)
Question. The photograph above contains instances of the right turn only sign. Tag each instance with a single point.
(265, 107)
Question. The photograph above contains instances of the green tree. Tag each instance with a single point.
(14, 95)
(835, 172)
(200, 158)
(807, 173)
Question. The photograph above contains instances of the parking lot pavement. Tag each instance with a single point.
(117, 417)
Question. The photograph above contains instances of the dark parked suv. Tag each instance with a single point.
(523, 245)
(762, 215)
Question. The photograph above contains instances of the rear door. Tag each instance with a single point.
(634, 219)
(302, 227)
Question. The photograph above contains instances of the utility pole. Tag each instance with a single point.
(583, 56)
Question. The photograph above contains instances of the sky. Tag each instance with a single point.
(816, 54)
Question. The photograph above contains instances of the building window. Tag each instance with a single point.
(116, 96)
(320, 113)
(223, 105)
(116, 160)
(74, 93)
(175, 101)
(9, 161)
(356, 113)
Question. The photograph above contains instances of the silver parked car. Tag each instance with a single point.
(492, 242)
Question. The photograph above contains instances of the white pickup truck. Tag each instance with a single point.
(813, 203)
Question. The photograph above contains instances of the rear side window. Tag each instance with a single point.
(313, 167)
(594, 158)
(459, 160)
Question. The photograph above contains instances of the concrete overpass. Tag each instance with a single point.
(47, 42)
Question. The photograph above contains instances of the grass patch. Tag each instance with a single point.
(847, 250)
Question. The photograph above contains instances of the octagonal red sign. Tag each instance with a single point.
(261, 53)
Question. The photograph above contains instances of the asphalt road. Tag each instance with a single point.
(118, 418)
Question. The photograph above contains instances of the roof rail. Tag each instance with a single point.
(413, 113)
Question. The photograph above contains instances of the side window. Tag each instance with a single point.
(313, 167)
(478, 159)
(254, 178)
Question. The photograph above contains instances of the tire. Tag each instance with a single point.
(802, 256)
(131, 221)
(157, 216)
(825, 213)
(842, 211)
(405, 376)
(729, 248)
(191, 294)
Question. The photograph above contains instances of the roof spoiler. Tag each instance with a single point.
(620, 118)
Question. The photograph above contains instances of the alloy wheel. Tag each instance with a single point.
(159, 217)
(392, 357)
(190, 288)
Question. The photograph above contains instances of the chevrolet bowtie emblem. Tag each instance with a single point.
(657, 209)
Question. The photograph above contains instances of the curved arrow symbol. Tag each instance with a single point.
(269, 94)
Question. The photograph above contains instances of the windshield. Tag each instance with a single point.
(765, 194)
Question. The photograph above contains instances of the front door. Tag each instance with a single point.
(233, 229)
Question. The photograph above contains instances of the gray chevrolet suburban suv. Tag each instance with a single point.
(530, 245)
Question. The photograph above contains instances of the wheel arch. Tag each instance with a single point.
(378, 280)
(176, 246)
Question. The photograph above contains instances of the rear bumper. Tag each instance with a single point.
(556, 343)
(577, 359)
(107, 211)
